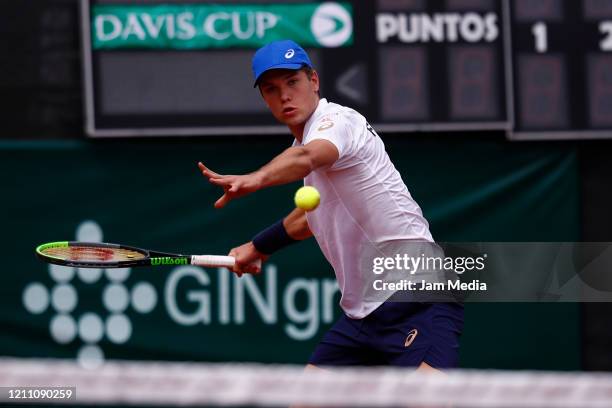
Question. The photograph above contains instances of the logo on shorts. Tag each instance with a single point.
(410, 338)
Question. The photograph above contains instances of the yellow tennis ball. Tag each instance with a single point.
(307, 198)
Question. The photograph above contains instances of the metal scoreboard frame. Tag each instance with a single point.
(361, 75)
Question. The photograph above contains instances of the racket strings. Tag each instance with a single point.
(93, 254)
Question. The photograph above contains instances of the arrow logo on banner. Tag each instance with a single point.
(331, 25)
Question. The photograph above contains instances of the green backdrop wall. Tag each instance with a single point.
(150, 194)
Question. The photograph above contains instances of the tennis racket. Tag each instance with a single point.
(104, 255)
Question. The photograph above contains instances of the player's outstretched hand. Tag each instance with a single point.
(234, 186)
(247, 259)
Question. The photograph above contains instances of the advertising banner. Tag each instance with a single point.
(153, 196)
(201, 26)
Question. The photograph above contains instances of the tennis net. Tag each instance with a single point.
(122, 383)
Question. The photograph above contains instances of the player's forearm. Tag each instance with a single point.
(296, 225)
(287, 231)
(293, 164)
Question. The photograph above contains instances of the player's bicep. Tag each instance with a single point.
(322, 153)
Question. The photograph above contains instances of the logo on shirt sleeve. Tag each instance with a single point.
(326, 123)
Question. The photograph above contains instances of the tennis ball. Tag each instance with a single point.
(307, 198)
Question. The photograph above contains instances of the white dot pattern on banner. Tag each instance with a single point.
(90, 357)
(36, 298)
(61, 274)
(63, 328)
(89, 275)
(64, 298)
(118, 328)
(116, 298)
(117, 274)
(89, 231)
(91, 328)
(144, 297)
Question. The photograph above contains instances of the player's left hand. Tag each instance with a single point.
(234, 186)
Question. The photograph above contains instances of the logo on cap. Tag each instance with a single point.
(290, 53)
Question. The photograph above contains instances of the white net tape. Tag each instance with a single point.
(165, 383)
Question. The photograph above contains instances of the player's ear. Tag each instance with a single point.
(314, 77)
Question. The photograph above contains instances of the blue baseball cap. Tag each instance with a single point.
(283, 54)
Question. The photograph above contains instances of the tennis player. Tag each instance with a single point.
(363, 201)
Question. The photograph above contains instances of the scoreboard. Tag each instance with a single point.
(562, 68)
(531, 68)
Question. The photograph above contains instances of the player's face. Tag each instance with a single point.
(291, 95)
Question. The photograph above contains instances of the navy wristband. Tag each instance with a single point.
(272, 239)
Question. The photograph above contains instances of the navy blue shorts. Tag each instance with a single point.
(396, 333)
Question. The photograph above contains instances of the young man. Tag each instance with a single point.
(364, 205)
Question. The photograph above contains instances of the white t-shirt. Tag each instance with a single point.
(363, 201)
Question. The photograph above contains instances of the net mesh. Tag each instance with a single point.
(197, 384)
(83, 253)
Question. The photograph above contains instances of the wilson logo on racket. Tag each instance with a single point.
(169, 261)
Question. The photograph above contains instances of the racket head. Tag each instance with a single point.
(92, 254)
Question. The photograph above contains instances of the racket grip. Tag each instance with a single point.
(213, 260)
(218, 260)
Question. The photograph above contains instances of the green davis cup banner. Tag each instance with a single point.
(201, 26)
